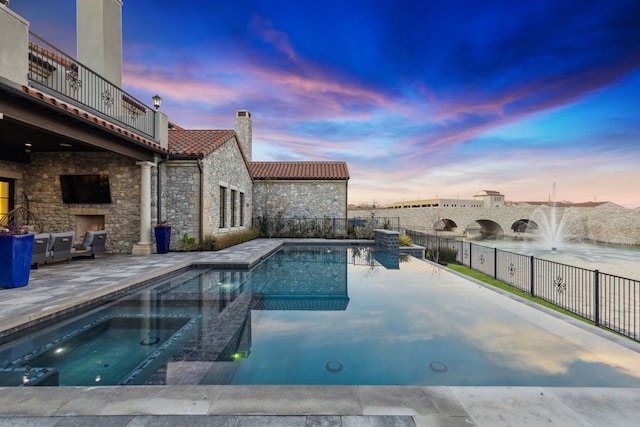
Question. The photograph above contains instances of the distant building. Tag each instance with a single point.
(484, 199)
(490, 199)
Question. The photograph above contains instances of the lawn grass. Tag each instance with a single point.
(505, 287)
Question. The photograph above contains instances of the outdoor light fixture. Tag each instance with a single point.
(157, 101)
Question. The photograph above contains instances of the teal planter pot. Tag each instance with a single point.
(15, 260)
(163, 239)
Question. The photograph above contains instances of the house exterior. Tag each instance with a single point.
(66, 126)
(206, 186)
(210, 187)
(59, 117)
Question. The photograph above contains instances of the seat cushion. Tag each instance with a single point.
(54, 236)
(88, 238)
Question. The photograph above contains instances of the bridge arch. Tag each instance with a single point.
(445, 224)
(524, 225)
(490, 228)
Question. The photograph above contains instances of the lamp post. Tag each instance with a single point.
(157, 101)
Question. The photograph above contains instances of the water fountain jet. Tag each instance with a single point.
(554, 231)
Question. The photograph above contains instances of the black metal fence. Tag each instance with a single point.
(56, 71)
(609, 301)
(330, 228)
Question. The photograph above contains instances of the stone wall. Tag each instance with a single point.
(604, 224)
(226, 168)
(180, 194)
(300, 198)
(121, 217)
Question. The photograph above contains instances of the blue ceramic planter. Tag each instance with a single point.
(163, 239)
(15, 260)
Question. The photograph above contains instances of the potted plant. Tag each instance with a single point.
(16, 249)
(162, 231)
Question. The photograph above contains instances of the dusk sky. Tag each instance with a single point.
(422, 99)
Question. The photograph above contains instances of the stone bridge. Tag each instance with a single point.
(605, 224)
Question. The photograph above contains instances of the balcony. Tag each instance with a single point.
(58, 74)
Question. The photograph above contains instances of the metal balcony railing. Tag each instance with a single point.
(55, 71)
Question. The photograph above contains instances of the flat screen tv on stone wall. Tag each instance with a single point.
(85, 188)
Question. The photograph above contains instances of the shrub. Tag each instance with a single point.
(208, 243)
(187, 243)
(231, 239)
(405, 240)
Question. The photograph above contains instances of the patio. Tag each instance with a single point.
(59, 286)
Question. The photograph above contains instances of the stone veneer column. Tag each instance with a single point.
(144, 246)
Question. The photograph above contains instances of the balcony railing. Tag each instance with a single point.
(54, 70)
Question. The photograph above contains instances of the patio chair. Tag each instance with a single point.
(40, 249)
(93, 243)
(60, 246)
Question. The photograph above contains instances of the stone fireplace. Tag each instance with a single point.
(88, 219)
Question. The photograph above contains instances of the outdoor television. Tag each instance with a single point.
(85, 188)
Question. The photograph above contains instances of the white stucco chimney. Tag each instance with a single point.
(99, 28)
(244, 130)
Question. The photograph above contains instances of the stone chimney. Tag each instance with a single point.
(99, 28)
(244, 131)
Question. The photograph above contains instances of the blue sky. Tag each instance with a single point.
(423, 99)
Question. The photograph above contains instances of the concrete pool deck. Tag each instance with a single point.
(58, 287)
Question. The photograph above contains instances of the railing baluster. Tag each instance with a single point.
(596, 297)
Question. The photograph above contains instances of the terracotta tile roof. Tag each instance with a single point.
(199, 143)
(91, 118)
(299, 170)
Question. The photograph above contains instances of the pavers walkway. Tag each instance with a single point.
(60, 286)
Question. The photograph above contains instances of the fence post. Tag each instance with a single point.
(470, 257)
(532, 278)
(596, 297)
(495, 263)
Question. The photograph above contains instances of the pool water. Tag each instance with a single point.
(102, 351)
(328, 315)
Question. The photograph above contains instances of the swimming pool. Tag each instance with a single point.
(313, 316)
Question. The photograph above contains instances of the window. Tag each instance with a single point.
(6, 195)
(223, 207)
(233, 207)
(241, 209)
